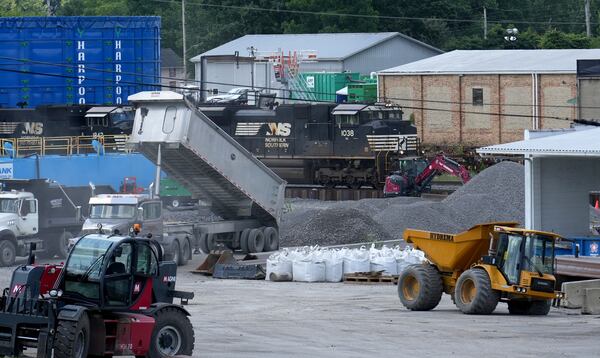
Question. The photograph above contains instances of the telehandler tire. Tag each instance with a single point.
(420, 287)
(172, 335)
(530, 308)
(72, 338)
(474, 293)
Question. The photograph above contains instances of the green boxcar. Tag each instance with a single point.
(362, 92)
(325, 84)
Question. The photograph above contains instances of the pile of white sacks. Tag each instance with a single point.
(315, 264)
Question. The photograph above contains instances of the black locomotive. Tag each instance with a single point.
(328, 144)
(64, 120)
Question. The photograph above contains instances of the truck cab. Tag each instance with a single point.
(117, 213)
(18, 213)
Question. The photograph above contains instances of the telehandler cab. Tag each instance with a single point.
(113, 296)
(490, 263)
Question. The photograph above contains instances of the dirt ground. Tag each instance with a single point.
(238, 318)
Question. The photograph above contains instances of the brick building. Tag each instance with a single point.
(483, 97)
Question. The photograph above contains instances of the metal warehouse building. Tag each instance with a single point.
(562, 168)
(232, 63)
(484, 97)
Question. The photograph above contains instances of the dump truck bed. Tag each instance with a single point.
(454, 252)
(205, 159)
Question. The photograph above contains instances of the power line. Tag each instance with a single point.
(384, 17)
(421, 100)
(298, 100)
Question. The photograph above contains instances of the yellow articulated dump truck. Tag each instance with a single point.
(489, 263)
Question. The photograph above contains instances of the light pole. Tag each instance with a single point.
(184, 42)
(511, 36)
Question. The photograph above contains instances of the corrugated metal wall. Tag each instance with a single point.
(561, 194)
(391, 53)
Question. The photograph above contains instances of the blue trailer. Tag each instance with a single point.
(77, 60)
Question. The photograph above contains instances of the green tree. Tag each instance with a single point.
(22, 8)
(554, 39)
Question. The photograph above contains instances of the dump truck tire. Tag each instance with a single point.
(531, 308)
(175, 252)
(256, 241)
(244, 240)
(184, 252)
(474, 293)
(72, 338)
(271, 239)
(8, 253)
(60, 248)
(207, 243)
(172, 335)
(420, 287)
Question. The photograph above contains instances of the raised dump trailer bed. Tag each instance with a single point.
(193, 150)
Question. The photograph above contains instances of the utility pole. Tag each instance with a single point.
(252, 51)
(484, 23)
(51, 6)
(184, 42)
(588, 29)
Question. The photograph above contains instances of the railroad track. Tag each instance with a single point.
(439, 191)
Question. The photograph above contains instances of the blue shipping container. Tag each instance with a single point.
(70, 60)
(588, 246)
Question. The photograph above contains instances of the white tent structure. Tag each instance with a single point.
(562, 167)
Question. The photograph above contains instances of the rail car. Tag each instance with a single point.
(328, 144)
(65, 120)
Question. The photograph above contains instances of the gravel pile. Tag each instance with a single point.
(331, 226)
(495, 194)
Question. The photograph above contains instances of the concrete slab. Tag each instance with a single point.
(262, 319)
(575, 292)
(591, 301)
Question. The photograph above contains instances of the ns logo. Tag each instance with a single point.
(33, 128)
(279, 129)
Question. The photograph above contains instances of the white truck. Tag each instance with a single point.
(216, 169)
(40, 212)
(118, 213)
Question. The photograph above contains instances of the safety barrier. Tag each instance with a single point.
(27, 146)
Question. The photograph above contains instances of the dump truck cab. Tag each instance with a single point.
(488, 264)
(18, 213)
(116, 213)
(525, 258)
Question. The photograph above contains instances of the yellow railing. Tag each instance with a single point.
(21, 147)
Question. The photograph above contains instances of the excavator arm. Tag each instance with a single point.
(441, 164)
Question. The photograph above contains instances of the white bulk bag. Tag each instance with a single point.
(280, 268)
(357, 260)
(308, 271)
(334, 266)
(387, 264)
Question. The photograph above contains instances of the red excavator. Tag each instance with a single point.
(415, 175)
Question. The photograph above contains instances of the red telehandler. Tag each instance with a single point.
(415, 175)
(113, 296)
